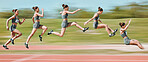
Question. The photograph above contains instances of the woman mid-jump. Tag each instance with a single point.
(36, 24)
(65, 22)
(96, 25)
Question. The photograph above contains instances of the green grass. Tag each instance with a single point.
(73, 36)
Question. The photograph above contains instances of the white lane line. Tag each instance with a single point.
(19, 60)
(27, 58)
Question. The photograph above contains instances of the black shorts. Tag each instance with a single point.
(36, 25)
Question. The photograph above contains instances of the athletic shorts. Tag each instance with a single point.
(12, 28)
(64, 24)
(95, 25)
(36, 25)
(127, 41)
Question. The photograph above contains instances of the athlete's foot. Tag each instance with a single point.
(142, 48)
(40, 37)
(115, 31)
(12, 41)
(50, 32)
(111, 35)
(85, 29)
(26, 46)
(5, 47)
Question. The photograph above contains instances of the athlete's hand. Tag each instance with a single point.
(100, 21)
(42, 9)
(78, 9)
(126, 22)
(7, 27)
(61, 12)
(23, 19)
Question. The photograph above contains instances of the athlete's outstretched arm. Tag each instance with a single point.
(95, 15)
(126, 22)
(126, 26)
(22, 21)
(7, 22)
(73, 11)
(41, 15)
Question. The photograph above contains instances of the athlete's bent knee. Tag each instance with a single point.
(74, 23)
(61, 35)
(45, 28)
(106, 25)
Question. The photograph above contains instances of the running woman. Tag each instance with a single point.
(96, 25)
(36, 24)
(123, 33)
(13, 29)
(65, 22)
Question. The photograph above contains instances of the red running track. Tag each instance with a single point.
(73, 58)
(78, 47)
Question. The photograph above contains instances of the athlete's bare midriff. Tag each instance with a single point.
(37, 20)
(95, 20)
(14, 24)
(65, 19)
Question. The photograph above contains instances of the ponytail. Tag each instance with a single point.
(14, 10)
(34, 8)
(100, 9)
(121, 24)
(64, 6)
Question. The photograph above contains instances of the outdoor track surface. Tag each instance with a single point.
(127, 48)
(73, 58)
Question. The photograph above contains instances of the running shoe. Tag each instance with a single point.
(12, 41)
(85, 29)
(5, 47)
(50, 32)
(115, 31)
(111, 35)
(40, 37)
(26, 46)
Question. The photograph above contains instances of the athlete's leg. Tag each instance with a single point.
(136, 42)
(32, 33)
(18, 32)
(12, 35)
(44, 29)
(60, 34)
(104, 26)
(110, 29)
(75, 23)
